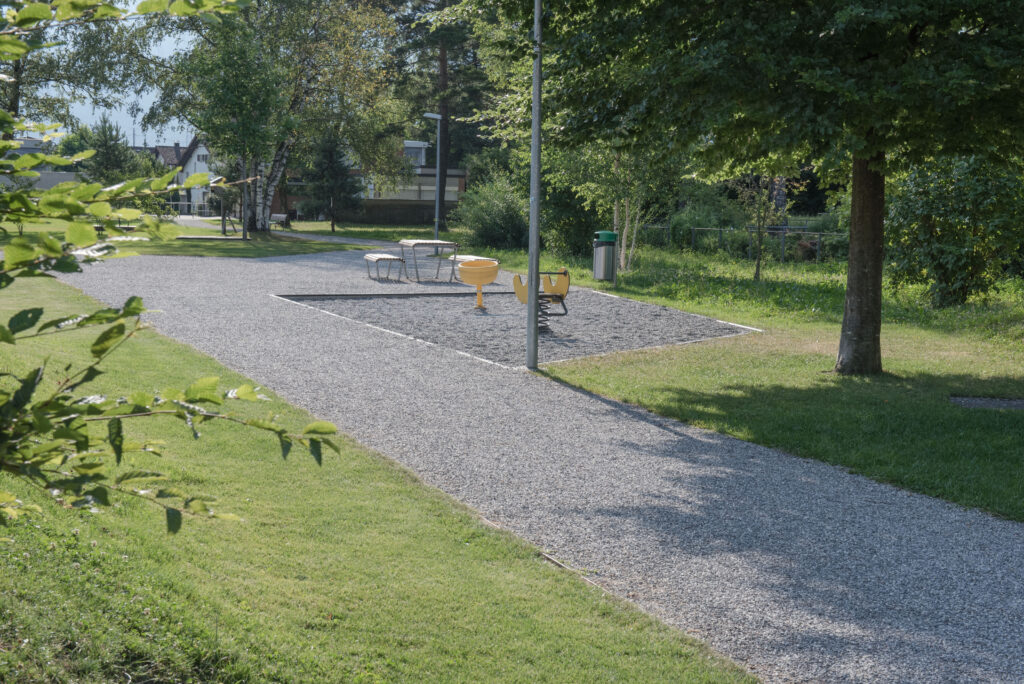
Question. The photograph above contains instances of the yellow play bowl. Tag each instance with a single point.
(478, 272)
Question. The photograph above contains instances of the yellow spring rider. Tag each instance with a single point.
(479, 272)
(553, 292)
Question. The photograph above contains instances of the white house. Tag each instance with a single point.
(195, 158)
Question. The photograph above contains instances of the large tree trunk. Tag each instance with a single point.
(443, 139)
(860, 349)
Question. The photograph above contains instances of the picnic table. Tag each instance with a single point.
(437, 245)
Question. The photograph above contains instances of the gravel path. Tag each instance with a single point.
(796, 569)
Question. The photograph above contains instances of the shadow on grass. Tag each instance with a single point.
(897, 429)
(872, 574)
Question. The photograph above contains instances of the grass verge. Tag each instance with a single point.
(375, 232)
(256, 247)
(775, 388)
(353, 571)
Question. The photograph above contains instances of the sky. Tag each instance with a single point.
(167, 136)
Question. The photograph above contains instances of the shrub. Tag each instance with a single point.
(567, 226)
(494, 214)
(704, 206)
(955, 224)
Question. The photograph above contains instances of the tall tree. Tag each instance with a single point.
(88, 63)
(256, 82)
(863, 87)
(438, 67)
(331, 187)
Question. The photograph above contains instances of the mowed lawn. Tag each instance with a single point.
(349, 571)
(392, 233)
(776, 387)
(211, 245)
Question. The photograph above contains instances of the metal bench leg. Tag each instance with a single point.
(415, 264)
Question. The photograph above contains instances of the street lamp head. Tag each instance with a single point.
(428, 115)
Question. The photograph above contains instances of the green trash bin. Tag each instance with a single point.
(604, 254)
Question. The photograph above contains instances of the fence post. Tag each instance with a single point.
(817, 252)
(750, 244)
(693, 238)
(783, 245)
(719, 238)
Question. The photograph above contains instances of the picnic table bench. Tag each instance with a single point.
(375, 258)
(436, 244)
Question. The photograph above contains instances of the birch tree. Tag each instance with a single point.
(252, 84)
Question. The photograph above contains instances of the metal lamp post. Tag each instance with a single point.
(437, 175)
(533, 272)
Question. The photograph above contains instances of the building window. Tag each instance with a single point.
(202, 158)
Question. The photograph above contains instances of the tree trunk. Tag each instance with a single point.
(244, 164)
(443, 139)
(860, 349)
(625, 234)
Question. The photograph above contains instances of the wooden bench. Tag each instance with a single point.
(279, 219)
(376, 258)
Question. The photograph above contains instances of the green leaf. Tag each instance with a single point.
(173, 520)
(5, 335)
(316, 450)
(33, 14)
(90, 468)
(107, 339)
(27, 161)
(204, 389)
(100, 494)
(151, 6)
(133, 307)
(138, 475)
(20, 251)
(181, 8)
(13, 47)
(165, 180)
(128, 214)
(197, 506)
(51, 246)
(330, 443)
(227, 516)
(197, 179)
(99, 209)
(80, 234)
(245, 393)
(24, 319)
(320, 427)
(265, 425)
(115, 436)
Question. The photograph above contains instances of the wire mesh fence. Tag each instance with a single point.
(785, 243)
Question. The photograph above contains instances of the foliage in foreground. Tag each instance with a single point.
(54, 435)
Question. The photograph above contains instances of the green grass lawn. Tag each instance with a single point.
(375, 232)
(352, 571)
(775, 388)
(257, 246)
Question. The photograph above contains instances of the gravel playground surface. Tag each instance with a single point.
(798, 570)
(596, 323)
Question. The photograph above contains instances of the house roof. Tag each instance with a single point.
(176, 155)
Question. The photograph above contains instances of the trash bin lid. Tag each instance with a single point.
(606, 235)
